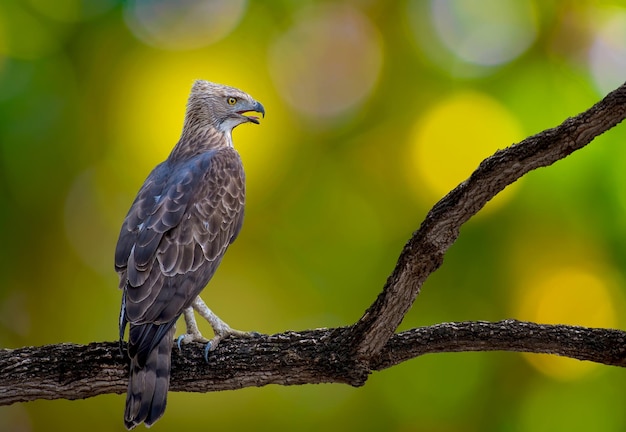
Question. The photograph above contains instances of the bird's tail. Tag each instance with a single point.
(148, 385)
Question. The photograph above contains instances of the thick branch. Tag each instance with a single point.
(424, 252)
(69, 371)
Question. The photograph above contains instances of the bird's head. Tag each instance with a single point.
(221, 106)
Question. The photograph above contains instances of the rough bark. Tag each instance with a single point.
(72, 371)
(348, 355)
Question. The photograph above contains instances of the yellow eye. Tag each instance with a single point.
(231, 101)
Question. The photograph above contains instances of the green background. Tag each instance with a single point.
(374, 110)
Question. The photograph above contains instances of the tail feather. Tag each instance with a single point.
(147, 386)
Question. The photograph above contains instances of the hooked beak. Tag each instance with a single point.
(257, 107)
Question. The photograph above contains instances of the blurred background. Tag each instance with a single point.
(375, 109)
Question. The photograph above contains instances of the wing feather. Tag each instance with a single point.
(174, 237)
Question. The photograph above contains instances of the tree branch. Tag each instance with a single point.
(69, 371)
(350, 354)
(424, 252)
(606, 346)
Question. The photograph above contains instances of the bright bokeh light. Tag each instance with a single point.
(453, 137)
(148, 110)
(607, 55)
(328, 62)
(469, 39)
(493, 33)
(183, 25)
(568, 295)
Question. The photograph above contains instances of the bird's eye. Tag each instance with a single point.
(231, 101)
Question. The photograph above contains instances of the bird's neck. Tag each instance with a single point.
(199, 139)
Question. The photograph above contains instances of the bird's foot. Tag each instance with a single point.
(220, 328)
(193, 332)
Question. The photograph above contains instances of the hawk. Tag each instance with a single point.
(186, 214)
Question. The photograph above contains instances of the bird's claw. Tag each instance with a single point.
(207, 348)
(188, 338)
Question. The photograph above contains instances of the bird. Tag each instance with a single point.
(183, 219)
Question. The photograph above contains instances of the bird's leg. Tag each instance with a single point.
(193, 332)
(220, 328)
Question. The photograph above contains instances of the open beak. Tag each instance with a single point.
(256, 108)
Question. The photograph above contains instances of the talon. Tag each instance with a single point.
(178, 342)
(207, 348)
